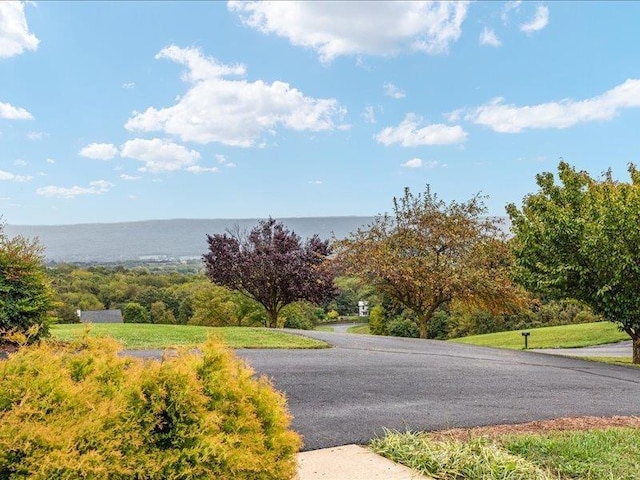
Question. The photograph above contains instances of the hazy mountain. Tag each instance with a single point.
(114, 242)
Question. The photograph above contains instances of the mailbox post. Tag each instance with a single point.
(526, 338)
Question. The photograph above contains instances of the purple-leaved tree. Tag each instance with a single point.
(272, 266)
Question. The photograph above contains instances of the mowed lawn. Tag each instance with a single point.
(132, 335)
(566, 336)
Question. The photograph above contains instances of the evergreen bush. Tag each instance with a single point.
(81, 411)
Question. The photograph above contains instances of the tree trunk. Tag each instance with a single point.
(272, 318)
(636, 348)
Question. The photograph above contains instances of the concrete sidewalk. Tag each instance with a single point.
(351, 462)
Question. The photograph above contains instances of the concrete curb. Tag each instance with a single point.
(351, 462)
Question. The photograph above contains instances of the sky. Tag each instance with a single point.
(126, 111)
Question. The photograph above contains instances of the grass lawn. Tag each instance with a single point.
(323, 328)
(362, 329)
(567, 336)
(133, 335)
(612, 360)
(590, 455)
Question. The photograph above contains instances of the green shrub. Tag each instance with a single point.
(81, 411)
(301, 315)
(377, 321)
(403, 327)
(25, 291)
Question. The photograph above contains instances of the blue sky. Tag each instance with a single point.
(120, 111)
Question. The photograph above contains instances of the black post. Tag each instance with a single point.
(526, 338)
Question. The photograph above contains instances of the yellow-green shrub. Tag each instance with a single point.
(81, 411)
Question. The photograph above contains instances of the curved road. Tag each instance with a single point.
(350, 393)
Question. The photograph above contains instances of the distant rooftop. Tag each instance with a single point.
(101, 316)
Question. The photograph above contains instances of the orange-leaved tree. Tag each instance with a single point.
(429, 253)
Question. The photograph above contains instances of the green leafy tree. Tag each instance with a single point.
(25, 291)
(135, 313)
(581, 239)
(161, 314)
(429, 253)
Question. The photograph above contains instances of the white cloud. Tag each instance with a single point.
(561, 114)
(221, 158)
(51, 161)
(10, 177)
(200, 169)
(489, 37)
(419, 163)
(99, 151)
(369, 114)
(315, 182)
(392, 91)
(95, 188)
(124, 176)
(15, 37)
(128, 85)
(232, 112)
(413, 163)
(37, 135)
(230, 165)
(410, 133)
(20, 162)
(335, 29)
(8, 111)
(538, 22)
(511, 5)
(159, 155)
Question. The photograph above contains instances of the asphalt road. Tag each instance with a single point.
(352, 392)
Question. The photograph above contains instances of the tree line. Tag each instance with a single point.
(428, 262)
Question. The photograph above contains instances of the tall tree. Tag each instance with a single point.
(581, 239)
(270, 265)
(25, 291)
(429, 253)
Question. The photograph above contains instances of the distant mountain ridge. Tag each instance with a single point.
(160, 239)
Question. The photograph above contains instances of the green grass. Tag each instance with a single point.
(612, 360)
(587, 455)
(567, 336)
(161, 336)
(362, 329)
(323, 328)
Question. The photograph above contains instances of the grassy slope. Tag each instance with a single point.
(593, 454)
(362, 329)
(161, 336)
(567, 336)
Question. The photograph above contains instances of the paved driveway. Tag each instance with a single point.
(350, 393)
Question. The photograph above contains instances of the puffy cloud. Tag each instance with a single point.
(392, 91)
(15, 37)
(538, 22)
(419, 163)
(489, 37)
(508, 7)
(159, 155)
(382, 28)
(128, 85)
(99, 151)
(410, 133)
(413, 163)
(10, 177)
(232, 112)
(97, 187)
(315, 182)
(51, 161)
(8, 111)
(20, 162)
(561, 114)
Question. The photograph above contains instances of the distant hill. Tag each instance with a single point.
(160, 239)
